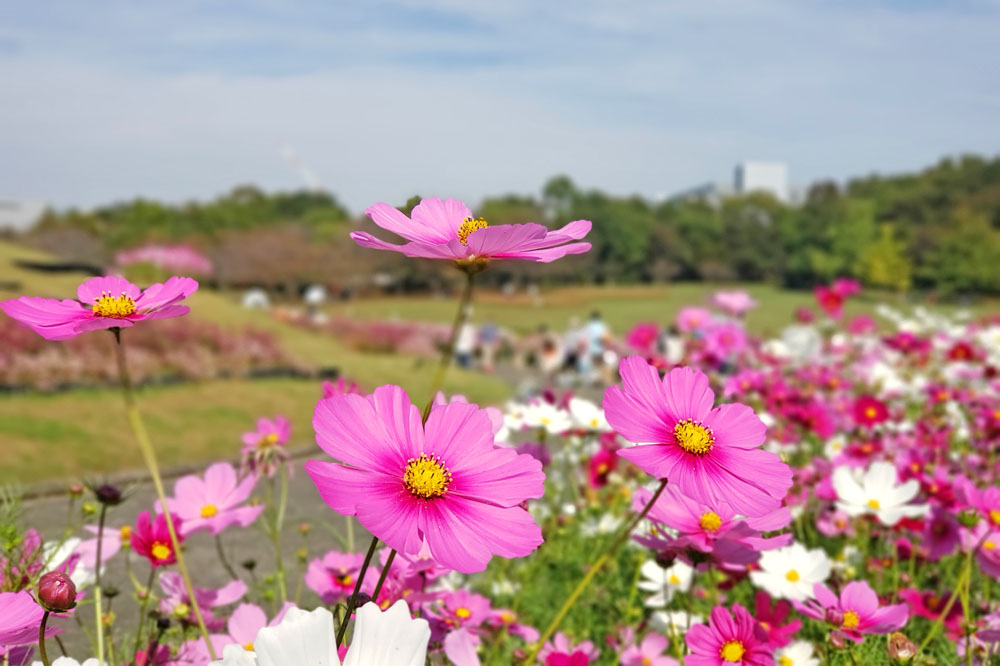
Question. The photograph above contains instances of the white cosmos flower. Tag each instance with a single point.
(68, 661)
(834, 446)
(877, 494)
(791, 572)
(56, 553)
(587, 415)
(664, 583)
(670, 622)
(799, 653)
(392, 638)
(550, 418)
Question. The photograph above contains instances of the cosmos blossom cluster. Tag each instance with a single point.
(828, 495)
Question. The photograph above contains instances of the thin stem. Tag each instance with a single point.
(594, 568)
(149, 454)
(385, 572)
(222, 557)
(353, 599)
(98, 619)
(279, 519)
(963, 580)
(41, 640)
(142, 610)
(449, 350)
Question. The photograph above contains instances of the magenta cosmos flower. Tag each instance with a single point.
(333, 576)
(446, 229)
(20, 618)
(264, 449)
(728, 639)
(151, 539)
(710, 453)
(215, 502)
(445, 481)
(855, 612)
(104, 302)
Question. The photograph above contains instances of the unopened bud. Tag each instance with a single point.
(108, 619)
(968, 518)
(838, 639)
(75, 490)
(56, 592)
(901, 649)
(110, 591)
(249, 565)
(305, 528)
(88, 508)
(163, 623)
(361, 599)
(665, 558)
(108, 494)
(302, 554)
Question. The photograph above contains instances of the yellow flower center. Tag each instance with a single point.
(116, 308)
(732, 651)
(267, 440)
(248, 646)
(989, 545)
(646, 661)
(871, 412)
(792, 576)
(468, 226)
(462, 612)
(874, 504)
(182, 610)
(851, 620)
(507, 618)
(995, 516)
(345, 579)
(710, 521)
(426, 477)
(785, 661)
(125, 534)
(208, 511)
(693, 437)
(674, 580)
(160, 551)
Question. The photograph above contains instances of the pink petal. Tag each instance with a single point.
(349, 428)
(159, 295)
(688, 395)
(464, 535)
(245, 622)
(546, 255)
(113, 286)
(504, 239)
(458, 433)
(443, 218)
(737, 426)
(501, 477)
(50, 318)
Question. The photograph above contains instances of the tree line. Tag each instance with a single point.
(937, 229)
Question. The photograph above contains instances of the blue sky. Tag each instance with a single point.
(105, 101)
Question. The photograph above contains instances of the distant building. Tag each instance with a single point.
(750, 176)
(18, 215)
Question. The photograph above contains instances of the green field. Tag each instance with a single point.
(64, 435)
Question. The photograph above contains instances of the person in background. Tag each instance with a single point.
(489, 339)
(466, 341)
(597, 335)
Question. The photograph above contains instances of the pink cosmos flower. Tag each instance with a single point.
(176, 599)
(20, 618)
(505, 618)
(693, 319)
(643, 336)
(710, 453)
(869, 410)
(728, 639)
(213, 503)
(340, 387)
(151, 539)
(648, 653)
(264, 448)
(771, 620)
(735, 303)
(334, 575)
(855, 612)
(446, 229)
(460, 609)
(446, 481)
(104, 302)
(931, 604)
(563, 652)
(830, 300)
(111, 543)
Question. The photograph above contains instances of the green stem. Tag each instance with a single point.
(149, 455)
(99, 621)
(142, 610)
(594, 568)
(222, 557)
(41, 640)
(279, 521)
(963, 581)
(353, 599)
(385, 572)
(449, 351)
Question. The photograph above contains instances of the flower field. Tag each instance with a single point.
(824, 495)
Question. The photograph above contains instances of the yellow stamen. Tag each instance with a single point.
(248, 646)
(345, 580)
(462, 612)
(182, 610)
(792, 576)
(710, 521)
(208, 511)
(426, 477)
(116, 308)
(989, 545)
(732, 651)
(995, 516)
(874, 504)
(674, 580)
(646, 661)
(871, 412)
(851, 620)
(125, 534)
(468, 226)
(160, 551)
(785, 661)
(694, 437)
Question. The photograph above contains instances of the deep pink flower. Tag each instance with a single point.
(846, 287)
(830, 300)
(930, 604)
(151, 539)
(771, 619)
(869, 410)
(728, 639)
(855, 612)
(340, 387)
(104, 302)
(264, 448)
(446, 481)
(643, 336)
(862, 324)
(446, 229)
(600, 465)
(213, 503)
(563, 652)
(334, 575)
(648, 653)
(176, 597)
(710, 453)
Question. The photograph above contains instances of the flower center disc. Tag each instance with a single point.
(792, 576)
(851, 620)
(694, 437)
(426, 477)
(710, 521)
(116, 308)
(209, 510)
(468, 226)
(160, 551)
(732, 651)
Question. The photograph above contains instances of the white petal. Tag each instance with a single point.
(301, 638)
(392, 638)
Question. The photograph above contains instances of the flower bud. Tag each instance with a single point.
(110, 591)
(304, 528)
(163, 623)
(361, 599)
(108, 494)
(56, 592)
(901, 649)
(665, 558)
(75, 490)
(88, 508)
(249, 565)
(968, 518)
